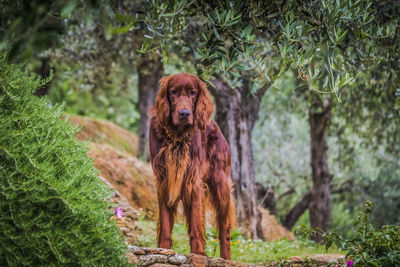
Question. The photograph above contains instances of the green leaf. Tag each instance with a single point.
(68, 8)
(123, 29)
(216, 32)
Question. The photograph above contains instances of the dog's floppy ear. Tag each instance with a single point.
(204, 106)
(162, 108)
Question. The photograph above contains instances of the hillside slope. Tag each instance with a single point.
(113, 150)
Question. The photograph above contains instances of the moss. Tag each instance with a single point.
(104, 132)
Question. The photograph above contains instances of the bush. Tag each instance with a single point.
(370, 246)
(53, 208)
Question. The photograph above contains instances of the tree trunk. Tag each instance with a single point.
(266, 198)
(150, 72)
(295, 213)
(44, 71)
(236, 113)
(301, 206)
(320, 209)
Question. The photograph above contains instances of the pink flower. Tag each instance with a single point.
(119, 212)
(350, 263)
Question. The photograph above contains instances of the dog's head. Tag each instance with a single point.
(183, 100)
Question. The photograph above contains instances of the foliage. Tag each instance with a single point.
(281, 156)
(369, 110)
(95, 74)
(97, 92)
(362, 166)
(324, 42)
(371, 246)
(30, 27)
(384, 190)
(53, 208)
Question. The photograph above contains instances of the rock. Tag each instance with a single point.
(327, 258)
(317, 259)
(218, 262)
(161, 265)
(177, 259)
(240, 264)
(296, 259)
(166, 252)
(151, 250)
(132, 258)
(161, 251)
(150, 259)
(197, 260)
(136, 250)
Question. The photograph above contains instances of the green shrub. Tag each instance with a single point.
(53, 208)
(370, 246)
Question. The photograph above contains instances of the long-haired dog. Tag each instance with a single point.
(191, 161)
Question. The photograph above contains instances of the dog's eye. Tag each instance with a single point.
(173, 92)
(193, 92)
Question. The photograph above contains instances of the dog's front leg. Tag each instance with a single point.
(195, 220)
(165, 224)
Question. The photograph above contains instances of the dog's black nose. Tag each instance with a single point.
(184, 113)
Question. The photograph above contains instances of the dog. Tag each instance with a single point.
(191, 161)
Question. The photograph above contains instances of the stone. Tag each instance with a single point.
(161, 265)
(177, 259)
(146, 260)
(241, 264)
(327, 258)
(151, 250)
(218, 262)
(197, 260)
(166, 252)
(137, 250)
(162, 251)
(132, 258)
(296, 259)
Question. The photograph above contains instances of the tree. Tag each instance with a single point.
(95, 74)
(30, 27)
(237, 111)
(148, 65)
(285, 35)
(320, 207)
(150, 71)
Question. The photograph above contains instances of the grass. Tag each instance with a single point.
(242, 249)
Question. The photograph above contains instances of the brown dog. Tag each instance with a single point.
(191, 160)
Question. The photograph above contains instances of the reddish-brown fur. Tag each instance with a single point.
(191, 161)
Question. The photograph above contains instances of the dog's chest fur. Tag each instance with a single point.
(184, 167)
